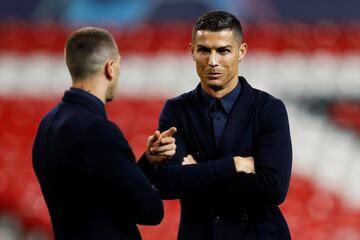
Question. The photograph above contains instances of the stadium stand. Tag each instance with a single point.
(297, 62)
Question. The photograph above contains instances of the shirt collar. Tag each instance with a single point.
(227, 101)
(85, 98)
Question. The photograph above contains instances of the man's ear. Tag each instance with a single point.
(192, 50)
(109, 69)
(242, 51)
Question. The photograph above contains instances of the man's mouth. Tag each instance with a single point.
(213, 75)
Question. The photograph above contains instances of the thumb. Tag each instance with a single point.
(155, 137)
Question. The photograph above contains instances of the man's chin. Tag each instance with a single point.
(214, 84)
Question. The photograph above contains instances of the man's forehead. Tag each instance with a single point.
(224, 33)
(224, 37)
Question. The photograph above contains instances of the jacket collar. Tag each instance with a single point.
(226, 101)
(201, 123)
(88, 100)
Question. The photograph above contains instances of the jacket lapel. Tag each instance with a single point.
(238, 119)
(201, 124)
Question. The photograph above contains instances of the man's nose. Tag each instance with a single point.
(213, 61)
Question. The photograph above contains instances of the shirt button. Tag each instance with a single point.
(217, 219)
(244, 217)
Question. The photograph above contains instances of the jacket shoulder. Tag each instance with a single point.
(266, 100)
(180, 103)
(182, 98)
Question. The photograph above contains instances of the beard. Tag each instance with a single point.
(109, 99)
(111, 91)
(110, 94)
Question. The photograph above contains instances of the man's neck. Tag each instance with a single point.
(221, 92)
(91, 87)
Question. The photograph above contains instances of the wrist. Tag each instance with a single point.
(149, 157)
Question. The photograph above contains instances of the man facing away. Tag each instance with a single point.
(86, 169)
(233, 159)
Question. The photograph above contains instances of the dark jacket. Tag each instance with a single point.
(217, 202)
(88, 176)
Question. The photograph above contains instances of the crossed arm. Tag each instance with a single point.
(162, 146)
(233, 175)
(174, 179)
(242, 164)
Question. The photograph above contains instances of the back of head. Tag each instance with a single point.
(87, 49)
(216, 21)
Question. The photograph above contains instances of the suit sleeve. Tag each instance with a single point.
(174, 180)
(111, 158)
(273, 161)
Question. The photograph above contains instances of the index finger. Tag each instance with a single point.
(168, 133)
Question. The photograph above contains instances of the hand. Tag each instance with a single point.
(161, 146)
(188, 160)
(244, 164)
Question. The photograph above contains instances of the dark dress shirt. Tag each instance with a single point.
(219, 110)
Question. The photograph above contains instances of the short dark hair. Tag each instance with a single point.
(86, 51)
(216, 21)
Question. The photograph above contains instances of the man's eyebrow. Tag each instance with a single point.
(227, 46)
(221, 47)
(201, 46)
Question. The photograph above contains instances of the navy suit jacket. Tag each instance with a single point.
(216, 201)
(88, 176)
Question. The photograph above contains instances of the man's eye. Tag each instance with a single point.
(202, 50)
(224, 51)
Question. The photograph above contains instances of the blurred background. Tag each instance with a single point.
(305, 52)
